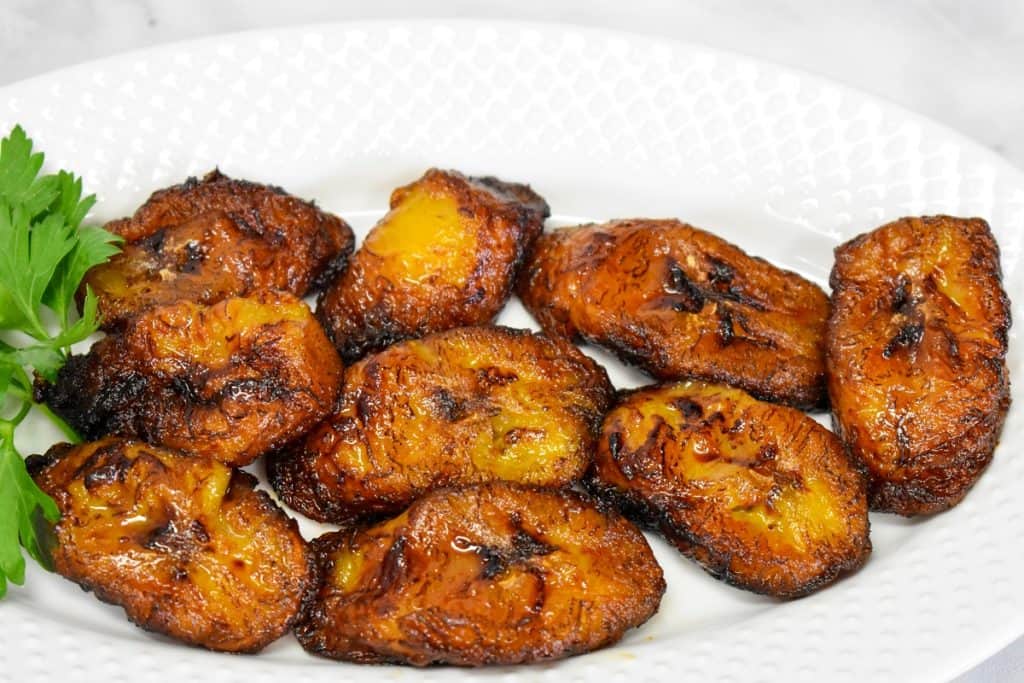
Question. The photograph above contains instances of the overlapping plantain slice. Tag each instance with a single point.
(463, 406)
(446, 255)
(230, 381)
(682, 303)
(916, 358)
(759, 494)
(492, 574)
(205, 240)
(185, 545)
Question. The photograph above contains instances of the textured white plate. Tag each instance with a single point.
(604, 126)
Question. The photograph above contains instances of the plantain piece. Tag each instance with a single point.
(916, 358)
(446, 255)
(760, 495)
(492, 574)
(229, 381)
(682, 303)
(205, 240)
(458, 407)
(185, 545)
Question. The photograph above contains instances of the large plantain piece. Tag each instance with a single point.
(682, 303)
(446, 255)
(205, 240)
(463, 406)
(916, 356)
(492, 574)
(760, 495)
(184, 544)
(230, 381)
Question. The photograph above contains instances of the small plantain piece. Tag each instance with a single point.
(758, 494)
(185, 545)
(205, 240)
(491, 574)
(445, 256)
(682, 303)
(229, 381)
(917, 358)
(458, 407)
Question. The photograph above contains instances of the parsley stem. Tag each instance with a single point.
(69, 433)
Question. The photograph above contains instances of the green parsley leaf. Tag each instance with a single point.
(24, 509)
(45, 255)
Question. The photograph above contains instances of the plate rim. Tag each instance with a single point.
(1007, 634)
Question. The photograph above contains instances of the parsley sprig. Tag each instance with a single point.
(44, 253)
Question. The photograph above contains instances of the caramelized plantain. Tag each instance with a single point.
(207, 240)
(916, 357)
(229, 381)
(445, 256)
(682, 303)
(760, 495)
(493, 574)
(185, 545)
(457, 407)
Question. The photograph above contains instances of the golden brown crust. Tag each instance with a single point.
(457, 407)
(760, 495)
(493, 574)
(208, 239)
(445, 256)
(229, 381)
(185, 545)
(916, 356)
(682, 303)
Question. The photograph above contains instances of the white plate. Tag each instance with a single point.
(603, 125)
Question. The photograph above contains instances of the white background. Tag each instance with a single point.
(961, 63)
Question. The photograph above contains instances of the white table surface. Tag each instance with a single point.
(958, 62)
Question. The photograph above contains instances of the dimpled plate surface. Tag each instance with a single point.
(604, 125)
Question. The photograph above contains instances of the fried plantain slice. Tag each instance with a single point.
(205, 240)
(229, 381)
(916, 358)
(491, 574)
(462, 406)
(682, 303)
(446, 255)
(760, 495)
(185, 545)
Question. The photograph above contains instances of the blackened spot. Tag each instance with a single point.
(951, 342)
(901, 300)
(267, 388)
(114, 469)
(767, 454)
(194, 256)
(689, 298)
(721, 272)
(394, 565)
(192, 182)
(615, 445)
(525, 546)
(364, 407)
(908, 336)
(179, 574)
(445, 406)
(154, 242)
(476, 297)
(494, 562)
(737, 295)
(689, 408)
(726, 333)
(38, 462)
(184, 388)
